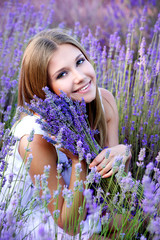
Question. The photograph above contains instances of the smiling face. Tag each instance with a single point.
(69, 71)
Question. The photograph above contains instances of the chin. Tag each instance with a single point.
(89, 99)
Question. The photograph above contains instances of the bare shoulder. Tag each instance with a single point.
(109, 104)
(43, 153)
(38, 143)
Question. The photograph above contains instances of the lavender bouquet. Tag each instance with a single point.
(65, 119)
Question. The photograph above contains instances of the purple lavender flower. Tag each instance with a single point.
(120, 174)
(56, 214)
(81, 210)
(128, 148)
(99, 194)
(143, 238)
(59, 137)
(141, 157)
(41, 231)
(115, 199)
(88, 158)
(90, 205)
(10, 179)
(78, 186)
(143, 18)
(45, 217)
(37, 188)
(117, 163)
(127, 183)
(157, 25)
(81, 187)
(107, 153)
(154, 228)
(47, 171)
(59, 168)
(158, 157)
(31, 136)
(92, 177)
(149, 168)
(149, 201)
(78, 169)
(68, 196)
(105, 219)
(80, 150)
(29, 160)
(57, 192)
(142, 49)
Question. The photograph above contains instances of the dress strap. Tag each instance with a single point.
(101, 99)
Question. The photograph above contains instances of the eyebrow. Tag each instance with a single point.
(62, 69)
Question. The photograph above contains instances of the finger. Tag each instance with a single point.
(104, 163)
(69, 154)
(65, 151)
(109, 174)
(98, 159)
(105, 169)
(101, 165)
(62, 149)
(53, 137)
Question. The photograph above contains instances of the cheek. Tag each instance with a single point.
(61, 86)
(92, 72)
(55, 87)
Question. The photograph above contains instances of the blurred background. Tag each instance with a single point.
(110, 15)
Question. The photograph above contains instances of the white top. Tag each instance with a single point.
(16, 166)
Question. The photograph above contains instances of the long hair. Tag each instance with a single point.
(34, 75)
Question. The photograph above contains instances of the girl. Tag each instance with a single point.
(54, 59)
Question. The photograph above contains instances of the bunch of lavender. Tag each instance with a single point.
(65, 119)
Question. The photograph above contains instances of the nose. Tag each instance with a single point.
(78, 76)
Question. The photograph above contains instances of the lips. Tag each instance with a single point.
(82, 89)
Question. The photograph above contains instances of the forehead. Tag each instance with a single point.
(62, 56)
(67, 50)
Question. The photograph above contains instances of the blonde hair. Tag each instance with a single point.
(34, 75)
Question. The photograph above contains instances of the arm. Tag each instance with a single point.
(111, 116)
(45, 154)
(112, 122)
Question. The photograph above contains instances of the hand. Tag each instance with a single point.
(68, 153)
(104, 166)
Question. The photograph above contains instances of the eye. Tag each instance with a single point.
(80, 61)
(61, 75)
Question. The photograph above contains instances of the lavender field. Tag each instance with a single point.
(123, 40)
